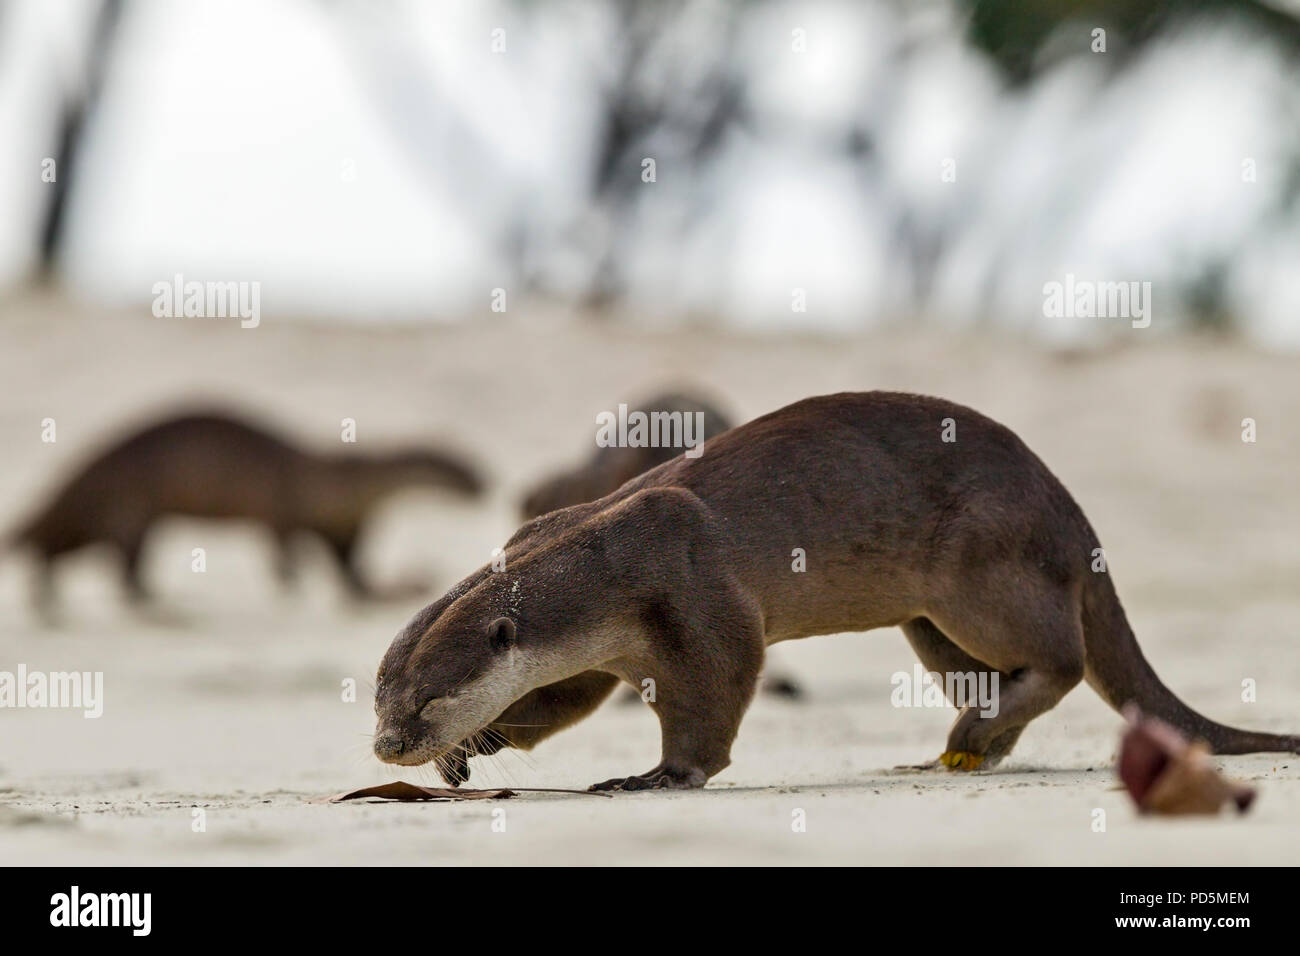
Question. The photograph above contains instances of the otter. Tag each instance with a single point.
(212, 465)
(608, 468)
(678, 581)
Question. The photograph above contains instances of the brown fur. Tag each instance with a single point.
(214, 466)
(683, 576)
(607, 469)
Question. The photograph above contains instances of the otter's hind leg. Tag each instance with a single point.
(286, 557)
(1032, 635)
(43, 595)
(941, 656)
(531, 719)
(343, 545)
(131, 544)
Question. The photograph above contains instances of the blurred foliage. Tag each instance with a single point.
(1017, 33)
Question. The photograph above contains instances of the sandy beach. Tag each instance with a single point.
(228, 697)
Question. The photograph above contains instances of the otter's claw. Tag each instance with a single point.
(654, 780)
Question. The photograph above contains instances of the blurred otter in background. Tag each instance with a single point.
(610, 467)
(606, 470)
(215, 466)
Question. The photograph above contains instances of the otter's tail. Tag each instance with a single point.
(1116, 670)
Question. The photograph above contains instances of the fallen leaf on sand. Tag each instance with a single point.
(1166, 774)
(401, 790)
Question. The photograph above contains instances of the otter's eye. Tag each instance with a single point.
(501, 634)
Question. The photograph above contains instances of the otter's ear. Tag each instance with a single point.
(501, 633)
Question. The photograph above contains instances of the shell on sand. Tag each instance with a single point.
(1167, 774)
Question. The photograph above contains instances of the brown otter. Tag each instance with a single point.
(679, 580)
(212, 465)
(609, 467)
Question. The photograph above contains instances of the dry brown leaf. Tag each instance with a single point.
(409, 792)
(401, 791)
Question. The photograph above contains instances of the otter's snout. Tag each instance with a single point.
(388, 746)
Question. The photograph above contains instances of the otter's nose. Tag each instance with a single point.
(388, 746)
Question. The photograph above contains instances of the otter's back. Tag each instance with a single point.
(864, 489)
(203, 465)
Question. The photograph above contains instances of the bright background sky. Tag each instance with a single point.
(368, 161)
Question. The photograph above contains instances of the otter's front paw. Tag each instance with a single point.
(454, 767)
(656, 779)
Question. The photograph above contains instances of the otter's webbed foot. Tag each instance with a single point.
(659, 778)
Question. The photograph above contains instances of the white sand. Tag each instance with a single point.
(228, 699)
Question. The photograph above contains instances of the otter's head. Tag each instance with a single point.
(437, 469)
(444, 678)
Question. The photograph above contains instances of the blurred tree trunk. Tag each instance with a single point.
(79, 106)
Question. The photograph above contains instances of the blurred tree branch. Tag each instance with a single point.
(1014, 33)
(79, 106)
